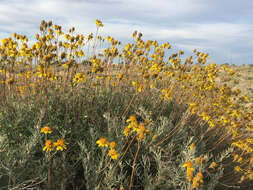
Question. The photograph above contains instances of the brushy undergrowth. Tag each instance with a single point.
(151, 121)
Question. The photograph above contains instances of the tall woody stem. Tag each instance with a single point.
(132, 174)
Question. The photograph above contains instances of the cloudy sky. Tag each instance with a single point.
(223, 28)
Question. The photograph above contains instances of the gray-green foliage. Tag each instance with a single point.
(19, 153)
(81, 120)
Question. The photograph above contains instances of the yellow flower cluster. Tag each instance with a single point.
(189, 170)
(50, 145)
(197, 180)
(139, 129)
(198, 164)
(102, 142)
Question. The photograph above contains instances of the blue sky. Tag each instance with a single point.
(223, 28)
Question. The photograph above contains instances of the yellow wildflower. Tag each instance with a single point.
(132, 118)
(140, 136)
(102, 142)
(140, 88)
(98, 23)
(189, 173)
(126, 130)
(79, 77)
(60, 144)
(195, 184)
(112, 145)
(147, 131)
(113, 154)
(240, 160)
(46, 130)
(212, 165)
(211, 123)
(236, 156)
(237, 168)
(142, 127)
(192, 146)
(199, 175)
(188, 164)
(198, 160)
(205, 116)
(49, 146)
(134, 83)
(246, 98)
(135, 126)
(147, 121)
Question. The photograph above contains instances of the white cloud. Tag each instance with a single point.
(201, 24)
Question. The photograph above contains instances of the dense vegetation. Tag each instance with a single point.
(150, 121)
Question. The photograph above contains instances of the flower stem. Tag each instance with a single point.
(49, 173)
